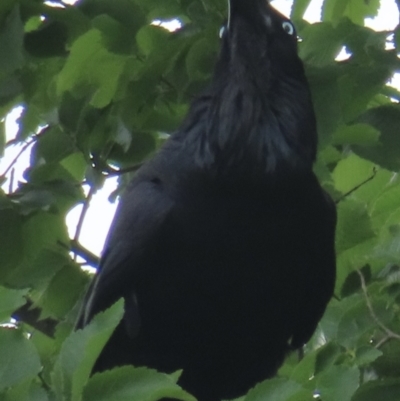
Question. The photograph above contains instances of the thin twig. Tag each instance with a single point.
(85, 209)
(169, 84)
(382, 342)
(204, 6)
(374, 171)
(90, 258)
(43, 381)
(15, 160)
(74, 246)
(11, 183)
(389, 333)
(111, 172)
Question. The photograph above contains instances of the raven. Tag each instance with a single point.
(223, 244)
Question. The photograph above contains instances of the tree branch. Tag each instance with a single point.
(113, 172)
(389, 333)
(82, 216)
(74, 246)
(90, 258)
(15, 160)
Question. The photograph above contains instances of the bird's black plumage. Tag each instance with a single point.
(223, 244)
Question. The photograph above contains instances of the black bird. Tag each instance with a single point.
(223, 244)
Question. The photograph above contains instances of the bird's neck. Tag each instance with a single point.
(247, 133)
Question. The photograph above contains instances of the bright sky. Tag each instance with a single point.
(100, 214)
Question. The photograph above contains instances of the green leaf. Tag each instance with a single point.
(356, 134)
(29, 122)
(356, 10)
(385, 119)
(81, 74)
(387, 203)
(19, 359)
(19, 392)
(326, 357)
(33, 23)
(150, 38)
(333, 10)
(385, 390)
(274, 390)
(358, 85)
(199, 60)
(38, 271)
(51, 176)
(133, 384)
(52, 145)
(41, 231)
(354, 225)
(80, 350)
(299, 8)
(354, 257)
(390, 237)
(123, 136)
(367, 354)
(321, 44)
(5, 7)
(197, 12)
(47, 349)
(388, 365)
(368, 190)
(25, 391)
(328, 325)
(142, 145)
(11, 246)
(10, 300)
(76, 165)
(37, 393)
(352, 284)
(338, 383)
(305, 369)
(326, 99)
(35, 200)
(360, 169)
(167, 10)
(162, 117)
(49, 40)
(116, 37)
(357, 321)
(11, 43)
(10, 88)
(63, 292)
(126, 12)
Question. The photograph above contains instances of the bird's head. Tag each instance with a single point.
(262, 109)
(258, 40)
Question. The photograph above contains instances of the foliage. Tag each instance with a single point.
(100, 86)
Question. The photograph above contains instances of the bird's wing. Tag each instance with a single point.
(131, 241)
(320, 284)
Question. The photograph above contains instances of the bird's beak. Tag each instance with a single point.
(245, 7)
(229, 13)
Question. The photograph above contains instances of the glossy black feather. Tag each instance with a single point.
(223, 244)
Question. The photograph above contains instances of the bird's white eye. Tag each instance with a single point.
(222, 31)
(288, 27)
